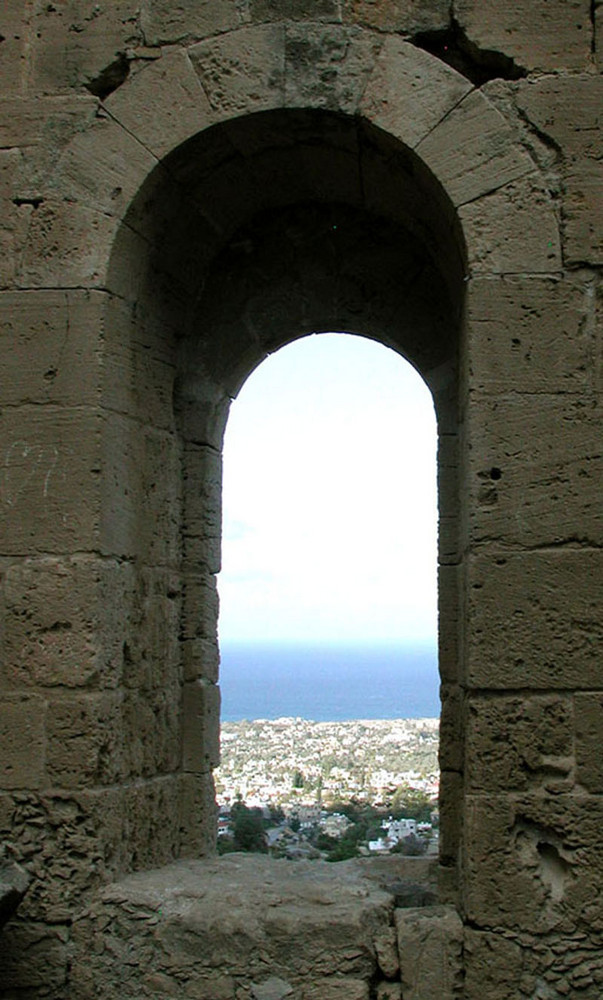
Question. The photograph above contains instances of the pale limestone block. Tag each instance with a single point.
(76, 41)
(535, 33)
(103, 168)
(472, 151)
(583, 213)
(23, 740)
(430, 940)
(66, 623)
(534, 619)
(51, 346)
(589, 726)
(519, 743)
(410, 91)
(164, 22)
(512, 230)
(529, 334)
(163, 105)
(386, 948)
(242, 71)
(67, 245)
(49, 485)
(200, 726)
(533, 470)
(398, 15)
(328, 66)
(198, 816)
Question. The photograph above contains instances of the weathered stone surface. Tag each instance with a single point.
(163, 22)
(22, 740)
(535, 620)
(400, 96)
(496, 966)
(200, 726)
(513, 230)
(474, 132)
(237, 917)
(541, 489)
(588, 709)
(535, 33)
(430, 941)
(242, 71)
(14, 883)
(530, 334)
(294, 10)
(519, 743)
(328, 66)
(74, 43)
(398, 15)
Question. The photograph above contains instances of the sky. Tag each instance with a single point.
(330, 510)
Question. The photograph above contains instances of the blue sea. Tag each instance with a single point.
(327, 683)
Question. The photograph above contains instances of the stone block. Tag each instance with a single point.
(589, 725)
(51, 348)
(533, 620)
(532, 476)
(389, 991)
(200, 726)
(200, 659)
(449, 623)
(452, 727)
(451, 805)
(430, 941)
(164, 23)
(202, 525)
(242, 71)
(49, 495)
(34, 955)
(164, 104)
(328, 66)
(529, 334)
(512, 230)
(39, 126)
(149, 632)
(198, 815)
(152, 737)
(494, 966)
(523, 855)
(519, 743)
(567, 109)
(344, 988)
(534, 33)
(67, 245)
(398, 15)
(141, 503)
(86, 742)
(14, 29)
(66, 622)
(82, 43)
(22, 740)
(200, 605)
(294, 10)
(472, 151)
(103, 168)
(583, 213)
(409, 91)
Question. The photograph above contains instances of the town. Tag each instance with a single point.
(331, 789)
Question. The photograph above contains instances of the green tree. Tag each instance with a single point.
(248, 831)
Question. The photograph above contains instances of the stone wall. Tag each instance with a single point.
(185, 188)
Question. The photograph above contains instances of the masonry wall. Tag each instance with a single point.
(151, 157)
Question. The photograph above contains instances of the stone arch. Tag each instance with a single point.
(153, 209)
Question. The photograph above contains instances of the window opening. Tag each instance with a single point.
(328, 597)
